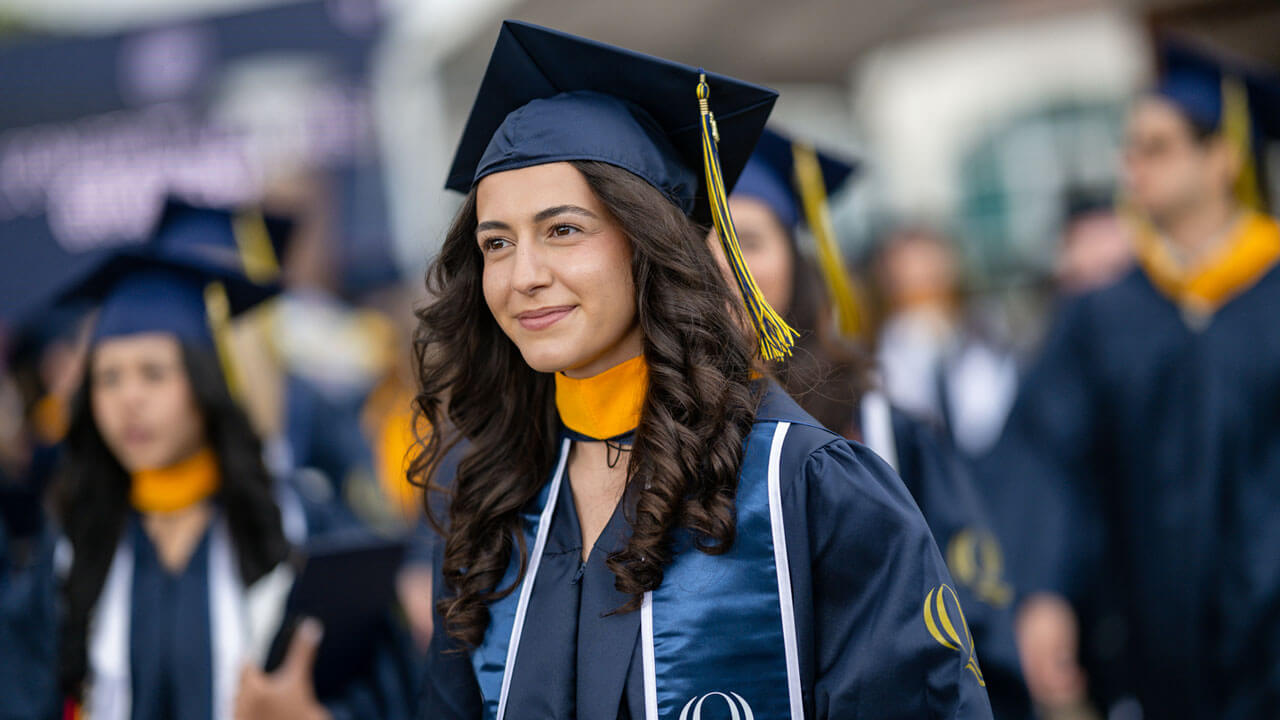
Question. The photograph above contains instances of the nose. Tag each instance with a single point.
(131, 394)
(530, 273)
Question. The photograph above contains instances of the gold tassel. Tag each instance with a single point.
(1237, 129)
(257, 255)
(776, 337)
(813, 195)
(218, 307)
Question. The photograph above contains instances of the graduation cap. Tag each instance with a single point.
(552, 97)
(1218, 96)
(140, 290)
(794, 180)
(770, 174)
(188, 280)
(223, 235)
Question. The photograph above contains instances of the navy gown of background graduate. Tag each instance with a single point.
(1139, 474)
(793, 181)
(163, 644)
(833, 602)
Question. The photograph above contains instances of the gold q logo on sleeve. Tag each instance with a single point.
(939, 606)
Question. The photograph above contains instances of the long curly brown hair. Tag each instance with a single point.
(475, 388)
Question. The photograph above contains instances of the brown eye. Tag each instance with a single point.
(154, 372)
(494, 243)
(563, 230)
(106, 378)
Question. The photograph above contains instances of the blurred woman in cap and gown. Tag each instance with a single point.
(178, 535)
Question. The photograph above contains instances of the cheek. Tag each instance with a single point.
(494, 287)
(603, 284)
(178, 414)
(722, 261)
(104, 406)
(771, 267)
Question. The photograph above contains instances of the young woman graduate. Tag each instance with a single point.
(1136, 477)
(784, 184)
(642, 525)
(178, 536)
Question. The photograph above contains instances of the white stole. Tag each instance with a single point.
(877, 427)
(242, 621)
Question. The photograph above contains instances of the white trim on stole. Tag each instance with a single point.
(241, 624)
(526, 587)
(877, 427)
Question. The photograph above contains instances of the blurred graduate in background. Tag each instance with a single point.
(783, 189)
(1135, 482)
(177, 536)
(940, 360)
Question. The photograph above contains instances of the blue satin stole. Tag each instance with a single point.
(719, 631)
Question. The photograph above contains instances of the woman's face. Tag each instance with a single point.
(143, 403)
(557, 270)
(766, 248)
(1166, 168)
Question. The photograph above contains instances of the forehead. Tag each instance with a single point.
(754, 213)
(153, 347)
(516, 194)
(1155, 115)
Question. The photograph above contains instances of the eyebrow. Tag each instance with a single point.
(562, 210)
(542, 216)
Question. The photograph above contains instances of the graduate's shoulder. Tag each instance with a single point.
(1132, 293)
(829, 473)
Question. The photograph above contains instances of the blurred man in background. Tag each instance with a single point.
(1136, 476)
(938, 362)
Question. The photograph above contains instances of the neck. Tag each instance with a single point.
(176, 487)
(1200, 227)
(605, 405)
(175, 535)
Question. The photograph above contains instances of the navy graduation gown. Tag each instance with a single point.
(169, 645)
(861, 562)
(1138, 475)
(28, 623)
(945, 490)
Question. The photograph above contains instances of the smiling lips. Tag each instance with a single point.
(543, 318)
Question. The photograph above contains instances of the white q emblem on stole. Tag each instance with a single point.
(733, 702)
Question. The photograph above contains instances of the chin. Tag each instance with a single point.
(550, 355)
(549, 360)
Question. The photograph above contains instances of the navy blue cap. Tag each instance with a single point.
(770, 176)
(225, 236)
(1192, 79)
(143, 292)
(161, 285)
(40, 328)
(552, 97)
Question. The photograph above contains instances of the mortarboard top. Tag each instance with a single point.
(163, 285)
(1192, 78)
(770, 176)
(194, 233)
(549, 97)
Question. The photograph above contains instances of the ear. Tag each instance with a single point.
(1226, 160)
